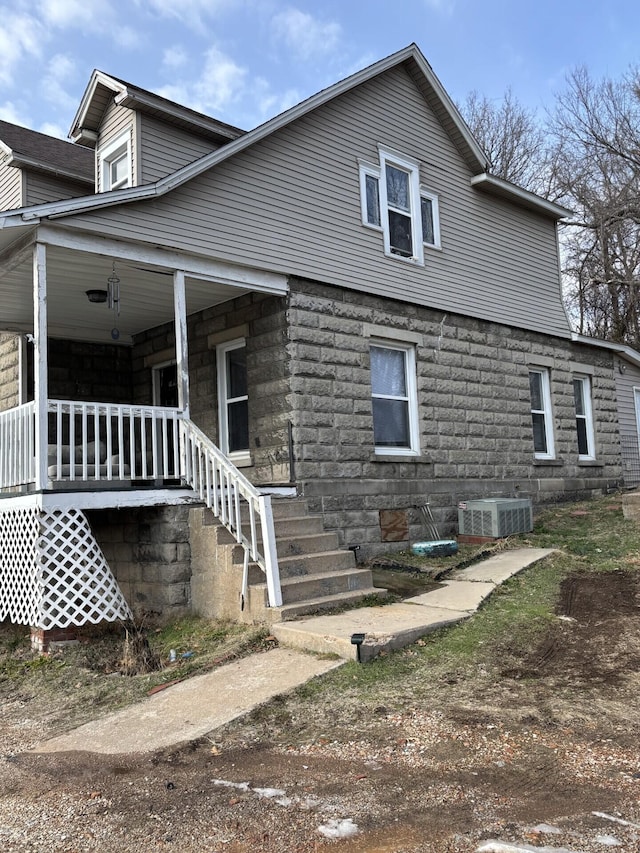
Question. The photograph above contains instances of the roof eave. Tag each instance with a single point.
(517, 195)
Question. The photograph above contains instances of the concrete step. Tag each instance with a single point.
(323, 585)
(289, 507)
(315, 563)
(312, 543)
(334, 602)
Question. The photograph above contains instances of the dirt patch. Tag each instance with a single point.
(534, 752)
(595, 638)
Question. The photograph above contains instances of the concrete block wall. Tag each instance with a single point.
(261, 320)
(474, 410)
(9, 370)
(149, 552)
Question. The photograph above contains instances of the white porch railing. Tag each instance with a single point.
(17, 446)
(108, 441)
(99, 443)
(236, 502)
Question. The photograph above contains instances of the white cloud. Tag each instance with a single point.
(220, 83)
(9, 112)
(20, 36)
(54, 130)
(126, 37)
(192, 13)
(174, 57)
(306, 35)
(80, 14)
(61, 69)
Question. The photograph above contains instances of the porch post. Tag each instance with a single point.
(40, 361)
(182, 350)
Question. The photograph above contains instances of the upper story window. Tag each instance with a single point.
(114, 163)
(539, 387)
(584, 417)
(394, 398)
(393, 201)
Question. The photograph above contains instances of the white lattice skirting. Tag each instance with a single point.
(53, 573)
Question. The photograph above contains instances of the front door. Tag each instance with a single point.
(165, 393)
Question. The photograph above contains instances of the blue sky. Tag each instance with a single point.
(243, 61)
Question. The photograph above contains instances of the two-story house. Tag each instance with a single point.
(341, 312)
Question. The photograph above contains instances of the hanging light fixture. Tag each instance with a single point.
(97, 296)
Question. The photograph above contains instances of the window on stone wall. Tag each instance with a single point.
(394, 398)
(541, 417)
(584, 417)
(233, 400)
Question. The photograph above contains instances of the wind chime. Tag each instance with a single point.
(113, 300)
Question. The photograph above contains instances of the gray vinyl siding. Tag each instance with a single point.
(291, 204)
(41, 189)
(625, 383)
(164, 149)
(117, 121)
(10, 186)
(629, 438)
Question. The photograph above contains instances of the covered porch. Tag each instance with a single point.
(83, 452)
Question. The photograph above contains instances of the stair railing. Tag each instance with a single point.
(235, 502)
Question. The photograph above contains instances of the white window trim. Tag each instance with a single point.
(108, 154)
(368, 170)
(238, 457)
(435, 210)
(392, 158)
(590, 455)
(546, 411)
(412, 398)
(416, 193)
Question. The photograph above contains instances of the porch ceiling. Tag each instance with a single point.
(146, 294)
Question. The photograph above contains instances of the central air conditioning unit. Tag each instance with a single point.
(495, 517)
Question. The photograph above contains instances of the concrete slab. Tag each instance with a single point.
(455, 595)
(196, 706)
(502, 566)
(385, 628)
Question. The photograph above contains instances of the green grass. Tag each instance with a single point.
(76, 684)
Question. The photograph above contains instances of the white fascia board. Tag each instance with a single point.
(454, 112)
(96, 78)
(504, 189)
(86, 203)
(21, 161)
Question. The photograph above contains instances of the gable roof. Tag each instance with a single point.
(103, 88)
(32, 150)
(411, 58)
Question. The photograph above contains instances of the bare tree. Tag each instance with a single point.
(596, 133)
(511, 137)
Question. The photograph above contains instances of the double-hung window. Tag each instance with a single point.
(541, 417)
(394, 398)
(393, 201)
(584, 417)
(233, 400)
(115, 164)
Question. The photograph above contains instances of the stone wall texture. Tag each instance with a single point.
(474, 412)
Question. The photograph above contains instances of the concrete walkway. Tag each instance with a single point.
(203, 703)
(394, 626)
